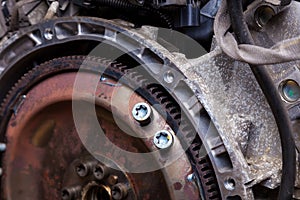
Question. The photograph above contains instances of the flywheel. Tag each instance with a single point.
(81, 127)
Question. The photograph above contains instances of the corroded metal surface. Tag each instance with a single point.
(242, 142)
(229, 92)
(44, 147)
(175, 99)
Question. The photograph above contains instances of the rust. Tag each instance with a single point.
(44, 146)
(43, 133)
(177, 186)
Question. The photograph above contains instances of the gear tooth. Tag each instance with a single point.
(160, 95)
(209, 181)
(212, 188)
(174, 111)
(213, 195)
(177, 116)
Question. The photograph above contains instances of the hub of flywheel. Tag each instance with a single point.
(89, 179)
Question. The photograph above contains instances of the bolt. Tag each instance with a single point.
(48, 34)
(102, 78)
(71, 193)
(163, 139)
(100, 171)
(65, 195)
(169, 77)
(112, 179)
(290, 90)
(1, 171)
(2, 147)
(229, 184)
(141, 112)
(191, 177)
(119, 191)
(84, 168)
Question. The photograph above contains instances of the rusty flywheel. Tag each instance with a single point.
(54, 150)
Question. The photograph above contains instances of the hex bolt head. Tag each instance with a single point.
(100, 171)
(163, 139)
(119, 191)
(141, 112)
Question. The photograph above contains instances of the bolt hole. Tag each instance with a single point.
(263, 15)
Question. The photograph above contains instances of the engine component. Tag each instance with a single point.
(95, 108)
(48, 129)
(40, 131)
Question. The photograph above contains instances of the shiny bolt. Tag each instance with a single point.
(141, 112)
(48, 34)
(290, 90)
(191, 177)
(163, 139)
(229, 184)
(2, 147)
(169, 77)
(100, 171)
(119, 191)
(112, 179)
(1, 171)
(102, 78)
(71, 193)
